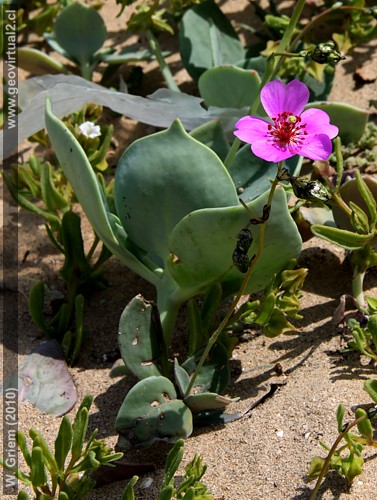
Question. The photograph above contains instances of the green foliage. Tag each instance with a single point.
(190, 486)
(64, 473)
(76, 31)
(346, 457)
(280, 301)
(207, 39)
(364, 338)
(151, 411)
(41, 187)
(354, 212)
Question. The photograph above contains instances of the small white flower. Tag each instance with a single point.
(90, 130)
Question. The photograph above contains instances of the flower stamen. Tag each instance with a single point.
(287, 131)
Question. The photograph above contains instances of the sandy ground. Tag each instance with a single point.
(266, 454)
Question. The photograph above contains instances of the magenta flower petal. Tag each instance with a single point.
(317, 147)
(272, 97)
(278, 98)
(296, 97)
(318, 122)
(251, 129)
(291, 130)
(271, 152)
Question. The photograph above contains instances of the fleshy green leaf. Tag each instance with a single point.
(368, 197)
(49, 458)
(163, 177)
(252, 175)
(80, 174)
(36, 305)
(212, 135)
(340, 416)
(341, 237)
(182, 378)
(206, 37)
(350, 120)
(229, 87)
(151, 411)
(140, 338)
(39, 63)
(81, 31)
(80, 427)
(22, 444)
(203, 242)
(37, 473)
(63, 442)
(128, 493)
(364, 427)
(207, 401)
(370, 386)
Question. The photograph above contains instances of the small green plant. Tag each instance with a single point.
(77, 33)
(64, 473)
(345, 455)
(42, 188)
(190, 487)
(364, 338)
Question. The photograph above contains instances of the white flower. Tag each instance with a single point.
(90, 130)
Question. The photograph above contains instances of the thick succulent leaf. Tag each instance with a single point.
(163, 177)
(252, 175)
(229, 87)
(131, 53)
(346, 239)
(214, 375)
(350, 192)
(151, 411)
(207, 401)
(207, 39)
(212, 135)
(81, 31)
(203, 242)
(45, 381)
(182, 378)
(350, 120)
(258, 64)
(370, 386)
(140, 338)
(79, 172)
(38, 63)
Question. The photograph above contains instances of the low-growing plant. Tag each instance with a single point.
(65, 472)
(190, 486)
(78, 34)
(345, 455)
(41, 187)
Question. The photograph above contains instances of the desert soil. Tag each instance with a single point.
(266, 454)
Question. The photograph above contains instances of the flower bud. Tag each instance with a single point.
(310, 190)
(325, 53)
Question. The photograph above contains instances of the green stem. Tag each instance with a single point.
(273, 64)
(328, 12)
(357, 288)
(326, 465)
(240, 292)
(92, 248)
(155, 47)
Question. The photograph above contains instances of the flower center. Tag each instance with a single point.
(287, 130)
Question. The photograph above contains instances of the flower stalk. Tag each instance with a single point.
(165, 70)
(214, 337)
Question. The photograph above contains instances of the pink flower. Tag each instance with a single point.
(292, 131)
